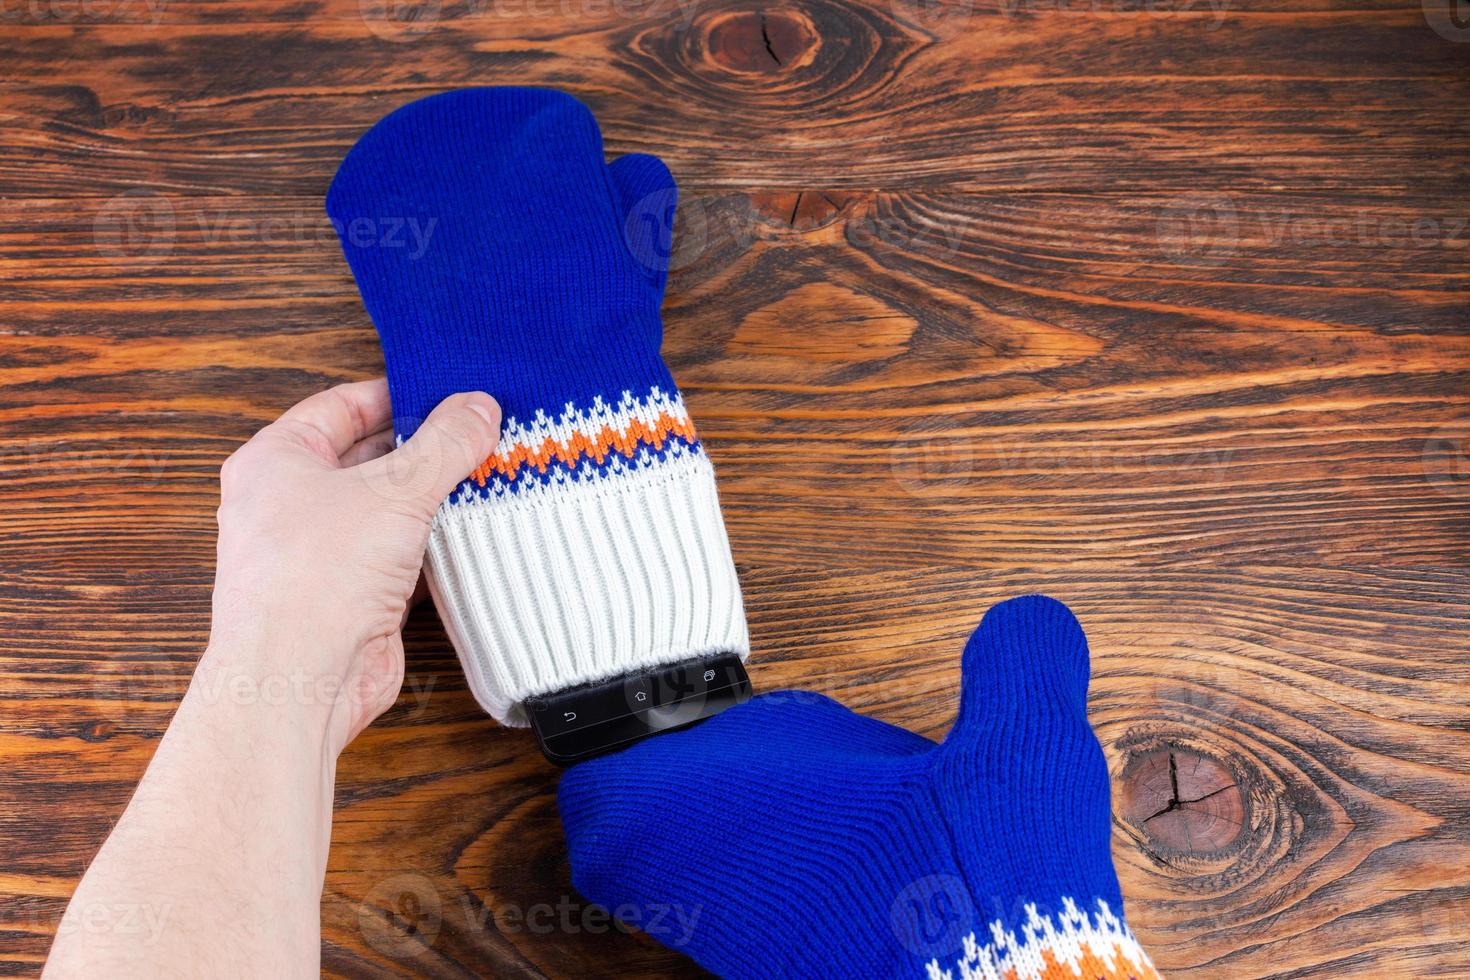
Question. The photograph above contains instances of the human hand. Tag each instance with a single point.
(790, 836)
(322, 530)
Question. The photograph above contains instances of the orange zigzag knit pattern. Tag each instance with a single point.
(1106, 964)
(597, 446)
(1076, 946)
(1111, 962)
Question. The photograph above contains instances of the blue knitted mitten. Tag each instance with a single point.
(791, 837)
(496, 251)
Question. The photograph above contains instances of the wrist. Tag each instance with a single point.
(287, 691)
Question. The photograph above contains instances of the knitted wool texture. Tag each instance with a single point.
(791, 837)
(496, 251)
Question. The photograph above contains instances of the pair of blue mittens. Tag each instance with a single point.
(786, 837)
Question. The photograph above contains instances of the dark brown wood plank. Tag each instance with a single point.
(1286, 385)
(1005, 95)
(1160, 310)
(1310, 685)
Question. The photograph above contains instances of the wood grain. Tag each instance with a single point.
(1161, 309)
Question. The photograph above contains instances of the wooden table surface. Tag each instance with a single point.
(1159, 307)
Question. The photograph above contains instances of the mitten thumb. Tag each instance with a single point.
(1027, 657)
(646, 197)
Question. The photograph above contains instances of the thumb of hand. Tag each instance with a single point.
(459, 435)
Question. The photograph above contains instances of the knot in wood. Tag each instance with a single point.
(1183, 802)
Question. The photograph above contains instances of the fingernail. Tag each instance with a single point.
(490, 413)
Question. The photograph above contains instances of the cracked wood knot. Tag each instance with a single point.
(1182, 802)
(760, 42)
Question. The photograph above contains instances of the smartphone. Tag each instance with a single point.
(594, 719)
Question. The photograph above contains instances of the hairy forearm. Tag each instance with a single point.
(217, 865)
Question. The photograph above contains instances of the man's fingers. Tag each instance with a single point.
(370, 448)
(459, 434)
(452, 442)
(336, 419)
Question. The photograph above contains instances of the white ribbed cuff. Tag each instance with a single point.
(585, 580)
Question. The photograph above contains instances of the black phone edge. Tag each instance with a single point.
(594, 719)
